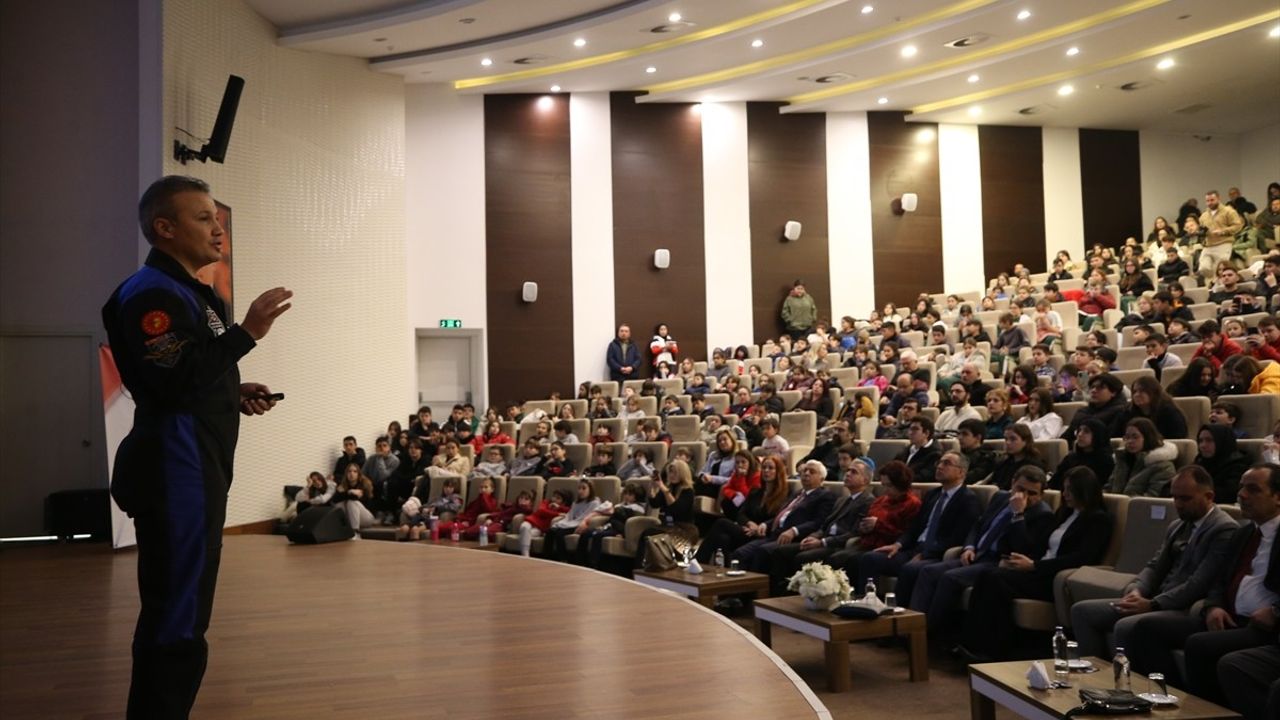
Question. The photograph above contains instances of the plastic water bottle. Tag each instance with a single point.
(718, 561)
(484, 535)
(1120, 667)
(870, 590)
(456, 534)
(1060, 658)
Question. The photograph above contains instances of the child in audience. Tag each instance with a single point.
(600, 409)
(682, 453)
(745, 478)
(601, 434)
(686, 371)
(499, 520)
(603, 463)
(564, 433)
(530, 460)
(539, 521)
(591, 543)
(483, 504)
(354, 495)
(317, 492)
(671, 407)
(493, 435)
(640, 466)
(1047, 321)
(445, 507)
(493, 465)
(575, 520)
(452, 462)
(664, 371)
(565, 412)
(542, 432)
(1271, 448)
(663, 346)
(698, 407)
(630, 409)
(1022, 384)
(557, 465)
(774, 444)
(1040, 354)
(1229, 414)
(1180, 333)
(698, 386)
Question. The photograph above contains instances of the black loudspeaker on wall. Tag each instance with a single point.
(319, 525)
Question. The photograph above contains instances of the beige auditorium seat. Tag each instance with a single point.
(684, 401)
(1052, 451)
(671, 385)
(509, 428)
(608, 488)
(516, 485)
(657, 451)
(579, 454)
(1170, 376)
(468, 451)
(789, 398)
(609, 388)
(1131, 358)
(1184, 351)
(697, 450)
(508, 450)
(499, 488)
(1260, 413)
(1126, 335)
(1203, 311)
(581, 427)
(1128, 376)
(648, 405)
(847, 377)
(1194, 409)
(870, 390)
(1067, 410)
(635, 385)
(1070, 312)
(882, 451)
(765, 365)
(777, 378)
(579, 407)
(683, 428)
(1253, 448)
(545, 406)
(1146, 521)
(526, 431)
(718, 402)
(621, 453)
(984, 493)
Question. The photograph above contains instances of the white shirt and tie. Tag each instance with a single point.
(1252, 594)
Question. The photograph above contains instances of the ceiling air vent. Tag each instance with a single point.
(669, 27)
(1136, 85)
(967, 41)
(1033, 110)
(828, 79)
(1193, 109)
(531, 60)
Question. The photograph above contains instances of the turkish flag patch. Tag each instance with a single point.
(156, 322)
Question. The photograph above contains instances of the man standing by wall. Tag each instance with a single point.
(799, 312)
(1221, 223)
(623, 357)
(177, 355)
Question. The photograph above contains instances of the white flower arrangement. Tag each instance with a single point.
(817, 580)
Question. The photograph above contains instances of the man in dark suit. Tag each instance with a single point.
(923, 453)
(946, 516)
(836, 529)
(802, 514)
(1194, 550)
(623, 356)
(1243, 604)
(1016, 520)
(828, 452)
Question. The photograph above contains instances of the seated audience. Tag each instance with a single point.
(774, 444)
(482, 505)
(835, 531)
(316, 493)
(671, 494)
(354, 496)
(1199, 380)
(557, 463)
(1044, 423)
(1242, 374)
(749, 520)
(817, 400)
(1081, 537)
(949, 420)
(745, 478)
(590, 550)
(1149, 400)
(1214, 346)
(574, 520)
(1020, 451)
(539, 521)
(1144, 463)
(351, 455)
(797, 519)
(603, 462)
(1228, 414)
(1091, 449)
(1222, 459)
(1158, 355)
(998, 417)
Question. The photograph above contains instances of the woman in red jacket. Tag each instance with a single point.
(484, 504)
(887, 518)
(745, 478)
(540, 520)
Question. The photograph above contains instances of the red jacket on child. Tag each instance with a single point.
(482, 505)
(545, 514)
(740, 484)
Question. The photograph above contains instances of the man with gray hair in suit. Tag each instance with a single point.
(1194, 551)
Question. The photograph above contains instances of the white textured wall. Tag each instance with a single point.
(726, 223)
(444, 206)
(960, 184)
(591, 193)
(1177, 166)
(315, 178)
(849, 216)
(1063, 199)
(1259, 162)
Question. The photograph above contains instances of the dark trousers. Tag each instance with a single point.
(988, 626)
(1250, 680)
(725, 535)
(177, 573)
(788, 559)
(872, 565)
(591, 546)
(553, 542)
(757, 555)
(938, 589)
(1205, 649)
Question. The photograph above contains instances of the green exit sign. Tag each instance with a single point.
(450, 323)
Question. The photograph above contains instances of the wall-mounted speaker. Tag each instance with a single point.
(791, 231)
(909, 202)
(529, 292)
(216, 148)
(662, 258)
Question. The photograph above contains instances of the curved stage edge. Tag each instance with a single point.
(391, 630)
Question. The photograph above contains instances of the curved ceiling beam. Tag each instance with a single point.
(799, 103)
(1136, 56)
(516, 37)
(818, 53)
(733, 26)
(368, 22)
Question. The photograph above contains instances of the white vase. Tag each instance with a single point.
(825, 602)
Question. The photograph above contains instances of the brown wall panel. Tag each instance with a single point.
(529, 236)
(1012, 167)
(1110, 185)
(657, 203)
(907, 249)
(787, 157)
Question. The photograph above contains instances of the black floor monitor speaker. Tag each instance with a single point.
(319, 525)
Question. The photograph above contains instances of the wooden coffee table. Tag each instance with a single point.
(836, 632)
(1006, 683)
(706, 586)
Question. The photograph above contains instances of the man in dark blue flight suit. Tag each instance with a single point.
(177, 354)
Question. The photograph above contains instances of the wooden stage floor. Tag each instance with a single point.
(388, 630)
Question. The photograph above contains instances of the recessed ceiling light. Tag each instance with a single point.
(1165, 64)
(651, 69)
(975, 111)
(1073, 51)
(757, 43)
(486, 62)
(674, 17)
(1275, 32)
(866, 9)
(545, 102)
(909, 51)
(1066, 90)
(1024, 14)
(974, 78)
(580, 42)
(555, 88)
(882, 101)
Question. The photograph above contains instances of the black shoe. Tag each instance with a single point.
(968, 656)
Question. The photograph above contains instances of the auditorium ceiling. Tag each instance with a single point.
(1174, 65)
